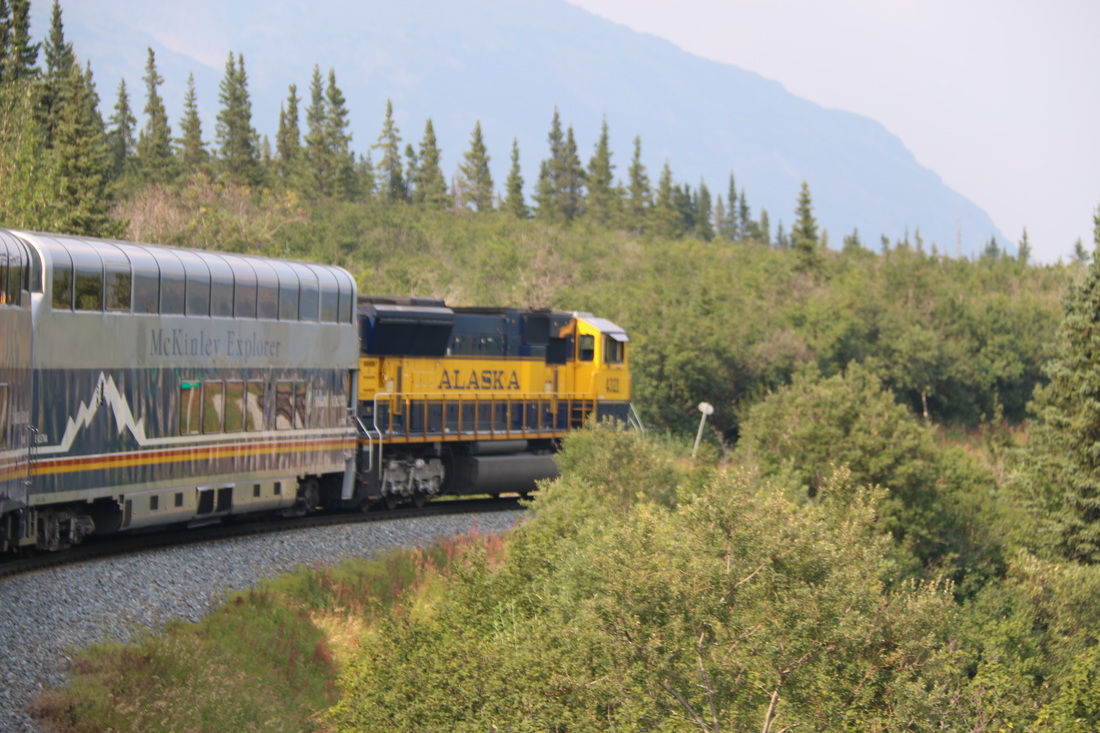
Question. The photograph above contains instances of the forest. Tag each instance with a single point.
(894, 523)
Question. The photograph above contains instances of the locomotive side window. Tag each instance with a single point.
(284, 405)
(18, 264)
(254, 405)
(586, 347)
(190, 407)
(234, 406)
(614, 351)
(213, 407)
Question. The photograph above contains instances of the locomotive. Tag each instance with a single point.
(144, 386)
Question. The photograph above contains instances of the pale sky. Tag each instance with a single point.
(1001, 98)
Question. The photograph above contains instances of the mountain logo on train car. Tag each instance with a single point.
(486, 379)
(105, 392)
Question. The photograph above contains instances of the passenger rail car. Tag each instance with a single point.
(153, 385)
(143, 386)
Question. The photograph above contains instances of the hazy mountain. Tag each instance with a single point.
(508, 63)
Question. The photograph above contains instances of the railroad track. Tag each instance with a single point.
(95, 547)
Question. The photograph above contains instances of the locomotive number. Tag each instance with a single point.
(612, 384)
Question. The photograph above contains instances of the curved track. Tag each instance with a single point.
(95, 548)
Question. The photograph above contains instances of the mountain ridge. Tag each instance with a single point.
(510, 65)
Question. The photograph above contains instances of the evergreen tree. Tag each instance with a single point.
(570, 179)
(390, 168)
(5, 35)
(1080, 254)
(82, 159)
(1063, 449)
(190, 149)
(20, 58)
(430, 186)
(667, 219)
(721, 221)
(1024, 252)
(547, 201)
(154, 146)
(601, 202)
(804, 237)
(238, 154)
(27, 186)
(732, 230)
(478, 182)
(704, 228)
(338, 141)
(318, 162)
(744, 220)
(120, 138)
(288, 142)
(763, 228)
(852, 242)
(638, 193)
(513, 202)
(60, 61)
(992, 251)
(782, 241)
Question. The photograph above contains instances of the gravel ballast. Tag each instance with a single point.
(48, 615)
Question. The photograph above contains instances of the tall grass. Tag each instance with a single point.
(268, 659)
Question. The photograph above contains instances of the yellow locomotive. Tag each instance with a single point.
(474, 400)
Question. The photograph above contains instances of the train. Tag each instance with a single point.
(145, 386)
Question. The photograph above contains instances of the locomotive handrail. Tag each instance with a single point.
(444, 399)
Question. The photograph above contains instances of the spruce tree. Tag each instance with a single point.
(477, 180)
(1024, 252)
(638, 193)
(318, 162)
(430, 190)
(570, 178)
(5, 35)
(704, 227)
(20, 58)
(82, 159)
(547, 200)
(338, 141)
(238, 153)
(190, 149)
(120, 137)
(390, 168)
(763, 229)
(601, 201)
(1063, 447)
(804, 238)
(154, 146)
(732, 230)
(666, 218)
(288, 142)
(60, 60)
(513, 201)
